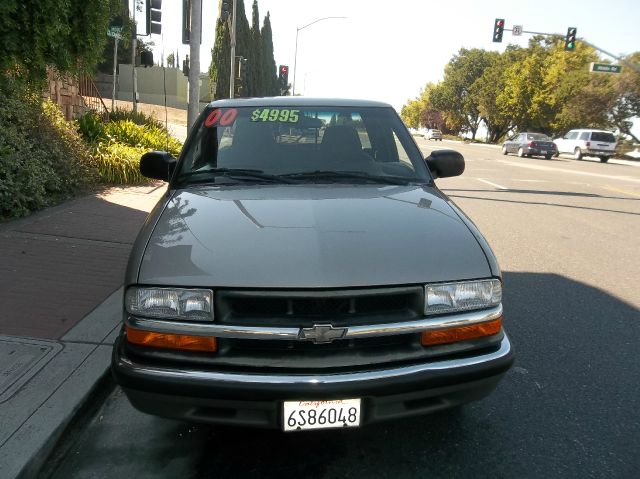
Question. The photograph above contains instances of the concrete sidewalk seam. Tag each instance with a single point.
(50, 395)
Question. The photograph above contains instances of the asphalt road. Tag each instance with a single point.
(567, 235)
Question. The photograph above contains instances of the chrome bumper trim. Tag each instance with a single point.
(293, 334)
(133, 369)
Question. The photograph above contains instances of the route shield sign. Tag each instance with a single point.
(604, 68)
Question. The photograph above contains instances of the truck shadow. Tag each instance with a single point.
(568, 406)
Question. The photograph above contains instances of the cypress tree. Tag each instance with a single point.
(220, 61)
(256, 86)
(268, 70)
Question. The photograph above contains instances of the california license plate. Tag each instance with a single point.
(302, 415)
(544, 152)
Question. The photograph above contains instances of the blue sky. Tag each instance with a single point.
(388, 50)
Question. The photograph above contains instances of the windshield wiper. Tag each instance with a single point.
(234, 173)
(338, 175)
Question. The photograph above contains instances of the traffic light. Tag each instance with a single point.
(498, 30)
(283, 75)
(146, 59)
(186, 22)
(570, 39)
(154, 17)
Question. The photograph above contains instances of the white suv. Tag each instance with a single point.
(581, 143)
(433, 134)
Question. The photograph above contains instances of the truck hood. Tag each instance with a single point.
(311, 236)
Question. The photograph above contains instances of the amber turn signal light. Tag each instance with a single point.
(171, 341)
(453, 335)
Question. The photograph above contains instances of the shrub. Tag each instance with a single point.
(139, 118)
(43, 159)
(117, 163)
(150, 137)
(91, 127)
(118, 144)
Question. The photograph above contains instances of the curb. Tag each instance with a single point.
(43, 408)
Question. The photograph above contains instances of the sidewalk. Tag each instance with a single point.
(61, 273)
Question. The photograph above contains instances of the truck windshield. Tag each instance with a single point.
(295, 142)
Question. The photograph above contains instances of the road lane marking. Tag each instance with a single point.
(624, 192)
(495, 185)
(560, 170)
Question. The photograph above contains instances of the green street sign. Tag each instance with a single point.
(604, 68)
(114, 32)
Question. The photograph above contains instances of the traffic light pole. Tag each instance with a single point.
(194, 66)
(134, 79)
(621, 60)
(232, 75)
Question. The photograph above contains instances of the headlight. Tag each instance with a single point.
(463, 296)
(170, 303)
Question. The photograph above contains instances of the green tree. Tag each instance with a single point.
(454, 96)
(220, 66)
(410, 113)
(626, 102)
(268, 70)
(255, 64)
(171, 60)
(220, 61)
(68, 35)
(486, 89)
(570, 96)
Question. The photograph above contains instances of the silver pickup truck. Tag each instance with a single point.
(303, 271)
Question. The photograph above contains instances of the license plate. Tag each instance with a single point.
(544, 152)
(302, 415)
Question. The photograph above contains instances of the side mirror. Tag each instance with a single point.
(445, 163)
(158, 165)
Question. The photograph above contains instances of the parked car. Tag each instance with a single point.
(530, 144)
(579, 143)
(433, 134)
(304, 271)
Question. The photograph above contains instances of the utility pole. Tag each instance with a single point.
(232, 76)
(115, 72)
(134, 41)
(194, 65)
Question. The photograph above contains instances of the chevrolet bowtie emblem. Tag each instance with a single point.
(322, 333)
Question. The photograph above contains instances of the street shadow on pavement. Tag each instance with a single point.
(456, 195)
(58, 265)
(568, 408)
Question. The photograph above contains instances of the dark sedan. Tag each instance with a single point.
(530, 144)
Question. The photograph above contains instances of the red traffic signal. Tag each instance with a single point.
(498, 30)
(283, 75)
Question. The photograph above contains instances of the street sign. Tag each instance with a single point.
(516, 31)
(604, 68)
(114, 32)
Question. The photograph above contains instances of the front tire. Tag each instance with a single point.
(521, 153)
(577, 154)
(604, 159)
(504, 150)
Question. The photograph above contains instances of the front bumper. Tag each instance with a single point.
(203, 395)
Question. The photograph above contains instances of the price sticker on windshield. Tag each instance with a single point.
(283, 115)
(221, 117)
